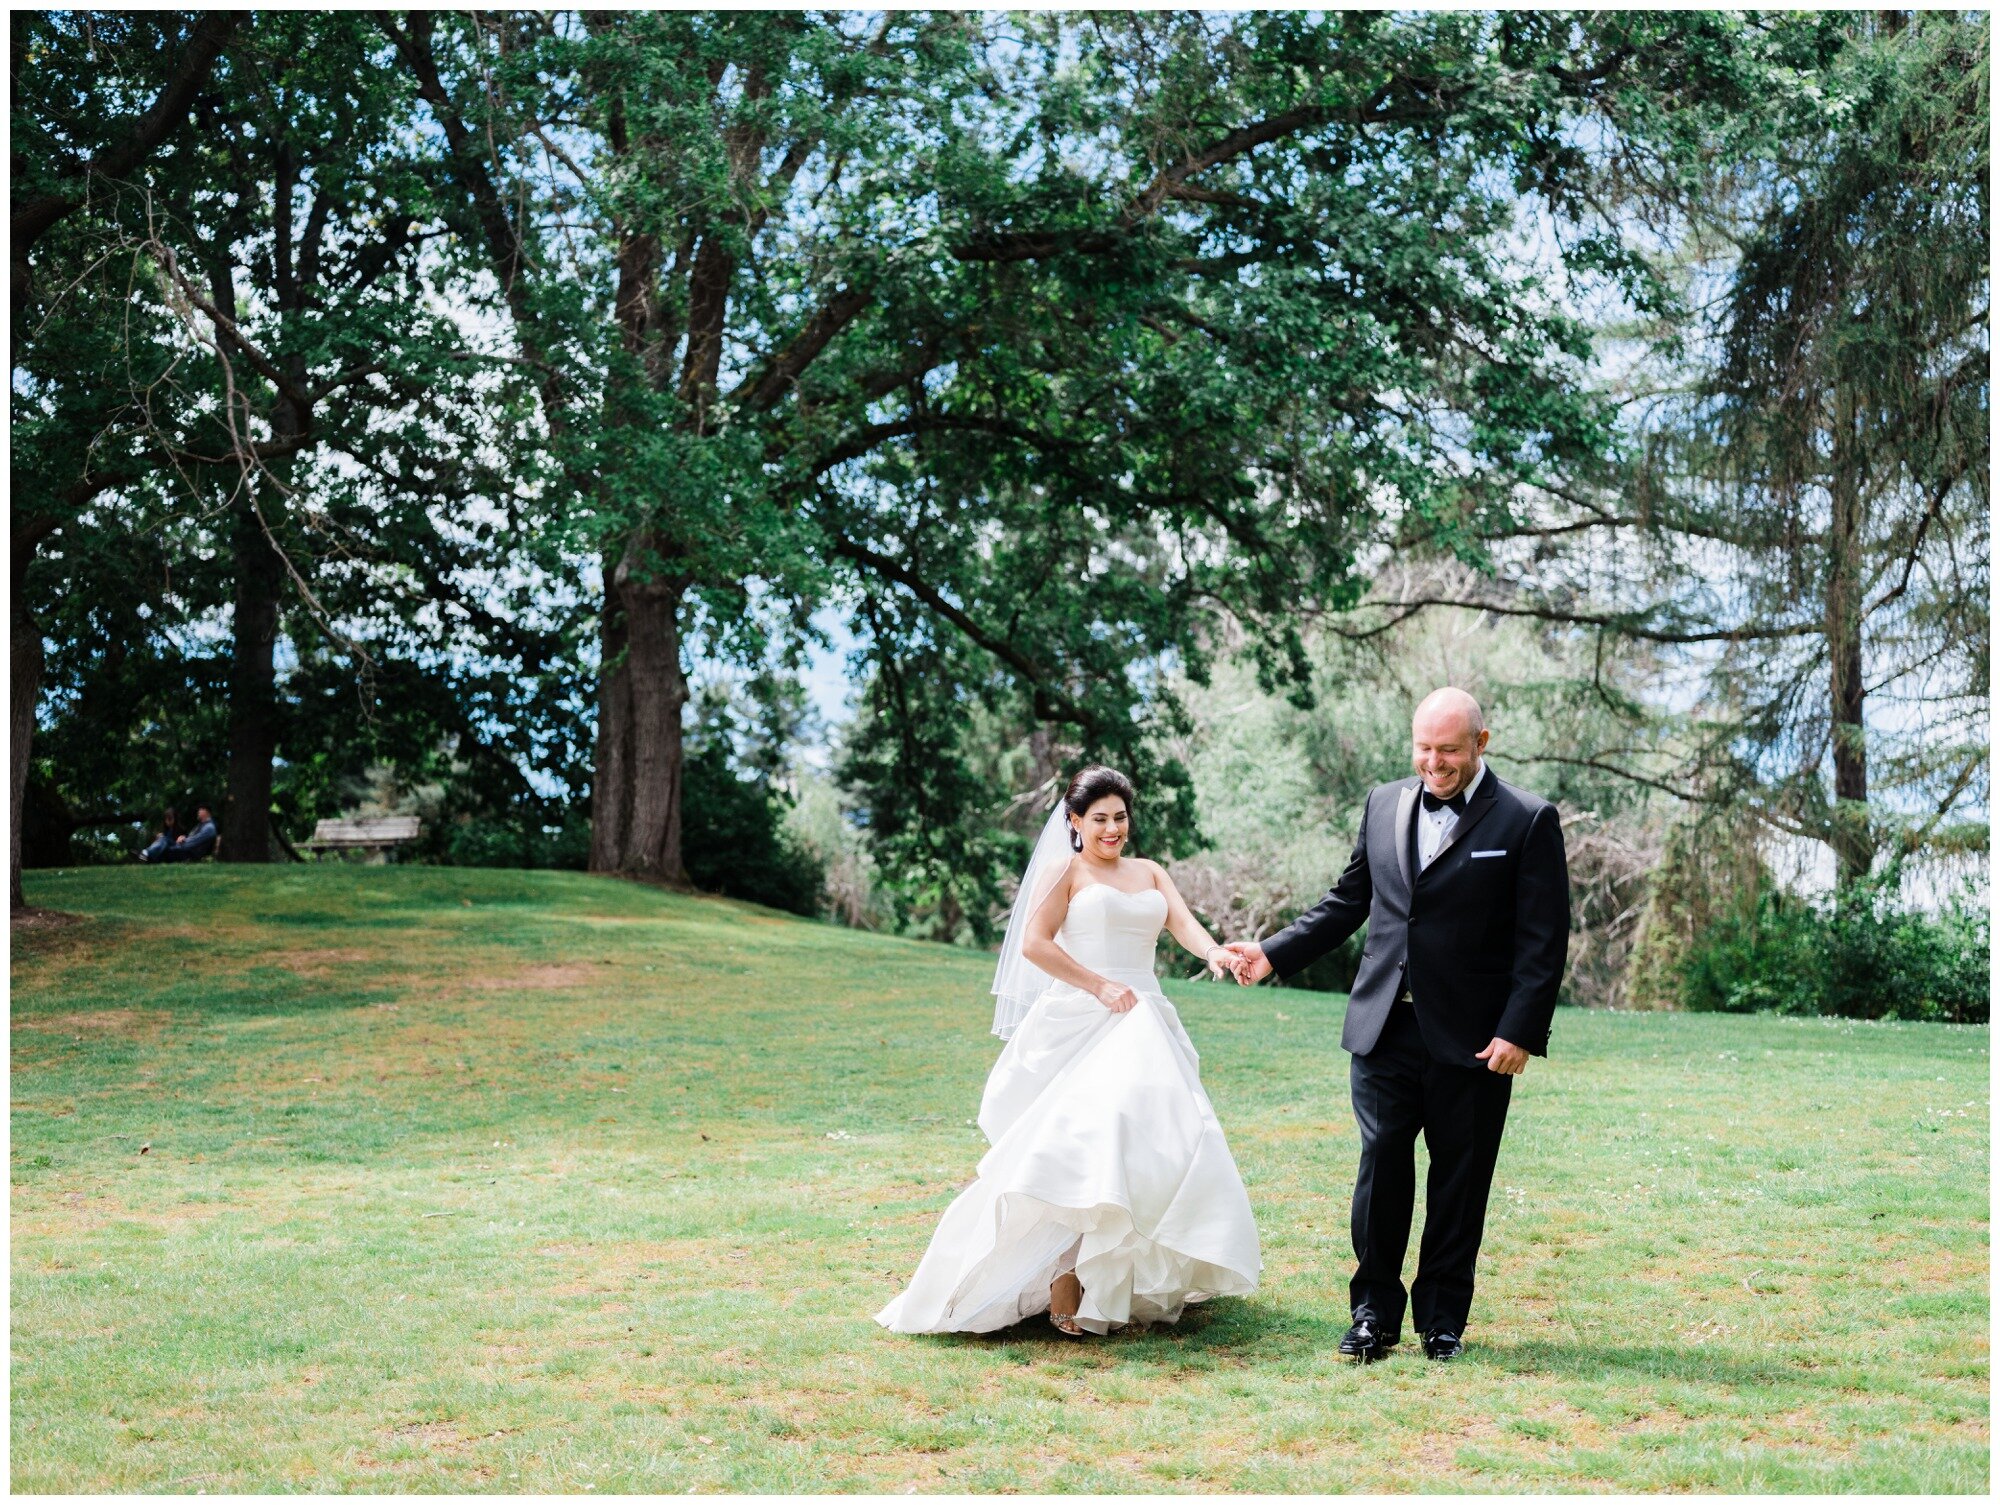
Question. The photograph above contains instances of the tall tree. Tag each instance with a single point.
(1047, 338)
(77, 141)
(1849, 426)
(307, 443)
(297, 252)
(1803, 521)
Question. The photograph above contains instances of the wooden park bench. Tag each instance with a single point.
(374, 837)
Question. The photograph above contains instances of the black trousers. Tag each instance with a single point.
(1399, 1091)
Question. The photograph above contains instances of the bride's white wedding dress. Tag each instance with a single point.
(1106, 1156)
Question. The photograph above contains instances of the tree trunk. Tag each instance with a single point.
(611, 776)
(253, 701)
(48, 830)
(636, 798)
(635, 805)
(1853, 842)
(26, 654)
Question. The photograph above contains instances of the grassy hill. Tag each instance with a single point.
(417, 1179)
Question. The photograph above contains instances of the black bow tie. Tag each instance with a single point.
(1456, 804)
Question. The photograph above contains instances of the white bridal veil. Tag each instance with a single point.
(1017, 982)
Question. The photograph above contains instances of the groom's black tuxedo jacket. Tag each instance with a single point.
(1479, 937)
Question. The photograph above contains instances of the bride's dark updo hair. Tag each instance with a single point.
(1091, 785)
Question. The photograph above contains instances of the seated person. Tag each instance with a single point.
(170, 832)
(198, 843)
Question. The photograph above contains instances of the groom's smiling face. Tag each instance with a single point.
(1445, 747)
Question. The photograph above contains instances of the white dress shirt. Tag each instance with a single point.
(1434, 827)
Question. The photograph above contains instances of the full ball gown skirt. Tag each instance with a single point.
(1106, 1155)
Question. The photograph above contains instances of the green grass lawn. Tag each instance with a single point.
(414, 1179)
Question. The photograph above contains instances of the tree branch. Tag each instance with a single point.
(1235, 144)
(1032, 245)
(34, 218)
(1691, 796)
(763, 390)
(1626, 625)
(226, 326)
(465, 163)
(1916, 545)
(1050, 703)
(861, 441)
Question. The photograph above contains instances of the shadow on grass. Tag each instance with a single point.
(1242, 1332)
(1660, 1361)
(124, 963)
(49, 933)
(1267, 1333)
(1230, 1328)
(253, 992)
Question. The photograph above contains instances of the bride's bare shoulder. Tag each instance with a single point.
(1155, 874)
(1054, 893)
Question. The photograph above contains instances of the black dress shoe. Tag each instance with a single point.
(1442, 1343)
(1364, 1341)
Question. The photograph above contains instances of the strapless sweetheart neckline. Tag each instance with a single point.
(1142, 893)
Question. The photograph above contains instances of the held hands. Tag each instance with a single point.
(1247, 962)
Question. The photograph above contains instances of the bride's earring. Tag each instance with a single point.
(1075, 839)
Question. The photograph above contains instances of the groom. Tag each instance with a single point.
(1462, 882)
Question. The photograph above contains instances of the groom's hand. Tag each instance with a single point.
(1249, 964)
(1504, 1056)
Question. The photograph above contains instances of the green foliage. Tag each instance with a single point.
(1860, 954)
(760, 720)
(1706, 878)
(1049, 350)
(734, 835)
(1799, 516)
(1008, 385)
(495, 841)
(1279, 787)
(365, 469)
(928, 771)
(823, 826)
(133, 728)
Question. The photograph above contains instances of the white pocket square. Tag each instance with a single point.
(1500, 852)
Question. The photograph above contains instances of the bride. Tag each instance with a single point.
(1108, 1195)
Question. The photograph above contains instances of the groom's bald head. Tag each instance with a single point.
(1447, 736)
(1444, 705)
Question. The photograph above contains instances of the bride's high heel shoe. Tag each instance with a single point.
(1065, 1296)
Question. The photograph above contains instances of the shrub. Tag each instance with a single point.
(851, 893)
(734, 841)
(1860, 954)
(1705, 879)
(515, 840)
